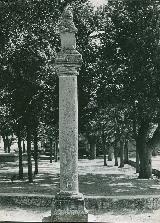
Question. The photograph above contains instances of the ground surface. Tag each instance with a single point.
(36, 215)
(94, 179)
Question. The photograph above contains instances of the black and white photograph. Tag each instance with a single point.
(80, 111)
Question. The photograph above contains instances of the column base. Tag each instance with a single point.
(68, 207)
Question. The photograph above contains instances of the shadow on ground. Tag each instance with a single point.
(117, 184)
(94, 179)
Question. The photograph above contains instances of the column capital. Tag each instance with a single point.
(64, 70)
(68, 63)
(69, 57)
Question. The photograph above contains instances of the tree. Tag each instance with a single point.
(128, 66)
(26, 57)
(20, 155)
(36, 155)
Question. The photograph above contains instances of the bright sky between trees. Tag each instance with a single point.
(97, 3)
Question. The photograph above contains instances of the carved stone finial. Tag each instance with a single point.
(68, 60)
(67, 24)
(68, 14)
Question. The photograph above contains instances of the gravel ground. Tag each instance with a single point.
(36, 215)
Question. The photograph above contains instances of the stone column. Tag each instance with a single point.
(68, 132)
(68, 205)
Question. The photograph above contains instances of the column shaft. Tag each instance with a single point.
(68, 133)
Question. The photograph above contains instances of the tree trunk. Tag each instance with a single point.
(144, 152)
(154, 152)
(92, 142)
(36, 152)
(4, 143)
(92, 150)
(126, 157)
(137, 161)
(105, 160)
(104, 154)
(8, 144)
(154, 142)
(88, 150)
(20, 158)
(145, 163)
(104, 149)
(56, 151)
(121, 153)
(42, 143)
(116, 153)
(110, 154)
(51, 149)
(135, 137)
(24, 147)
(30, 177)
